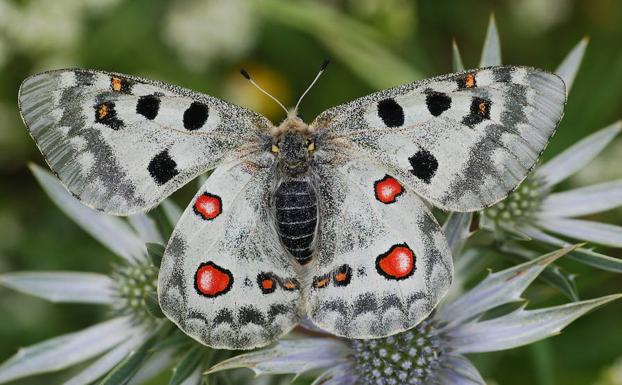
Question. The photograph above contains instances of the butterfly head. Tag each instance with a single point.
(293, 146)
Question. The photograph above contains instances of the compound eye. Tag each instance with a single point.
(310, 145)
(275, 149)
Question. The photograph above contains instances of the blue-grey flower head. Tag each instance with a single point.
(432, 352)
(133, 284)
(126, 292)
(406, 358)
(521, 206)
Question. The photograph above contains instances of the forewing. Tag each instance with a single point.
(122, 144)
(463, 141)
(225, 279)
(383, 262)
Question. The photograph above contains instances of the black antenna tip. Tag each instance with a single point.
(245, 74)
(325, 64)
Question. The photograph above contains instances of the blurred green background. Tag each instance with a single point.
(373, 44)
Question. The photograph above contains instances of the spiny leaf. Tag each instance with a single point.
(152, 304)
(553, 275)
(127, 368)
(187, 365)
(456, 58)
(491, 54)
(155, 252)
(569, 67)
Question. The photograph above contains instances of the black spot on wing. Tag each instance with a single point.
(391, 301)
(84, 78)
(466, 81)
(479, 111)
(267, 282)
(503, 74)
(195, 116)
(437, 102)
(391, 113)
(106, 114)
(122, 85)
(424, 165)
(250, 314)
(336, 305)
(224, 316)
(342, 276)
(162, 168)
(278, 309)
(366, 302)
(148, 106)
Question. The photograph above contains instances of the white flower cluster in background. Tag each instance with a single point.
(50, 29)
(612, 375)
(201, 31)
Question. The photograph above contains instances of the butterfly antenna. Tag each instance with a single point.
(248, 77)
(322, 68)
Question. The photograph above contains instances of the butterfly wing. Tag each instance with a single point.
(383, 262)
(122, 144)
(463, 141)
(225, 279)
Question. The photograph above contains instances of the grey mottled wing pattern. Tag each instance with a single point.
(463, 141)
(383, 261)
(121, 144)
(225, 279)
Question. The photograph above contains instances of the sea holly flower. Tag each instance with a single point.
(432, 353)
(128, 292)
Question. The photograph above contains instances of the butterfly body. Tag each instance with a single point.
(323, 221)
(295, 200)
(295, 204)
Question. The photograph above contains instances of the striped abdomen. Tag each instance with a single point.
(296, 217)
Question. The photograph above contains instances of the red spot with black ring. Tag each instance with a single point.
(398, 263)
(267, 282)
(388, 189)
(208, 206)
(212, 280)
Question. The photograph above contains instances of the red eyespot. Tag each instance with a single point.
(267, 282)
(397, 263)
(388, 189)
(342, 276)
(208, 206)
(212, 280)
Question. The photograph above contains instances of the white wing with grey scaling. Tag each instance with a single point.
(225, 279)
(383, 263)
(121, 144)
(463, 141)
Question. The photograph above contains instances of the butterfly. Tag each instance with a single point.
(323, 222)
